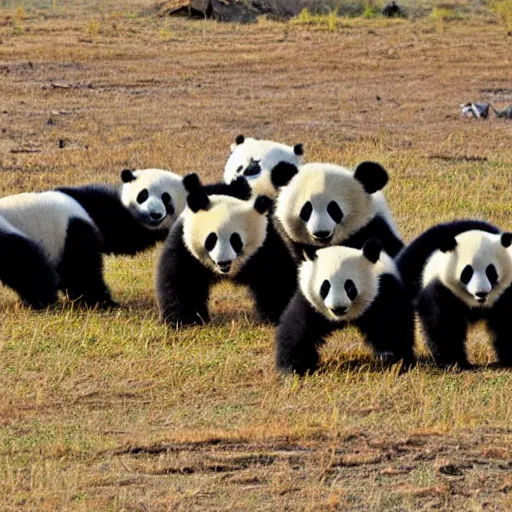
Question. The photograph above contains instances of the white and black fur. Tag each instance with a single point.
(459, 273)
(324, 204)
(50, 243)
(135, 216)
(222, 236)
(261, 162)
(339, 286)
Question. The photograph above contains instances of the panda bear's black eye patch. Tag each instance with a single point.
(142, 196)
(324, 289)
(351, 289)
(306, 211)
(236, 242)
(492, 275)
(335, 212)
(467, 274)
(210, 242)
(166, 199)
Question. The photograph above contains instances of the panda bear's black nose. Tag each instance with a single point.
(155, 215)
(341, 310)
(322, 235)
(481, 296)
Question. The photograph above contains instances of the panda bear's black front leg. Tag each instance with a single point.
(81, 267)
(445, 324)
(388, 324)
(182, 284)
(299, 335)
(271, 276)
(498, 324)
(25, 269)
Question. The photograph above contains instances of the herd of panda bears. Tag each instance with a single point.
(315, 243)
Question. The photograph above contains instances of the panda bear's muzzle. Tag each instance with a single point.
(323, 236)
(339, 310)
(224, 266)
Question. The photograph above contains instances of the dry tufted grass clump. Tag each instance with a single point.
(113, 411)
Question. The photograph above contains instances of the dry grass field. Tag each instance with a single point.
(112, 411)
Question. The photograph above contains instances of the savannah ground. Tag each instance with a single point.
(112, 411)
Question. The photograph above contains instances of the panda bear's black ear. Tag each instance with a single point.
(263, 204)
(372, 176)
(372, 249)
(198, 200)
(127, 176)
(298, 149)
(506, 239)
(239, 140)
(446, 242)
(191, 182)
(309, 253)
(282, 173)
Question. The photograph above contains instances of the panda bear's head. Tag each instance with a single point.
(323, 204)
(223, 232)
(262, 162)
(341, 282)
(155, 197)
(475, 265)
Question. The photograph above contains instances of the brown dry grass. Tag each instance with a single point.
(110, 411)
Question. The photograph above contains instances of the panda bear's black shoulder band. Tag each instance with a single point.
(372, 176)
(191, 182)
(372, 249)
(446, 241)
(127, 176)
(282, 173)
(262, 204)
(240, 188)
(239, 139)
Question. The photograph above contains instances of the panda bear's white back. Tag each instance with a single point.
(42, 217)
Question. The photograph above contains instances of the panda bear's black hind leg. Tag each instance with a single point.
(182, 284)
(299, 335)
(388, 325)
(81, 267)
(26, 270)
(445, 324)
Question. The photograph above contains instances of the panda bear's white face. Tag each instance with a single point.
(155, 197)
(323, 204)
(224, 232)
(475, 265)
(341, 282)
(256, 159)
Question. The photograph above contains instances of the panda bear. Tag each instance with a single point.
(465, 275)
(325, 204)
(339, 286)
(221, 236)
(261, 162)
(50, 243)
(138, 214)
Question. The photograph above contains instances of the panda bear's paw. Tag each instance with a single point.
(389, 358)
